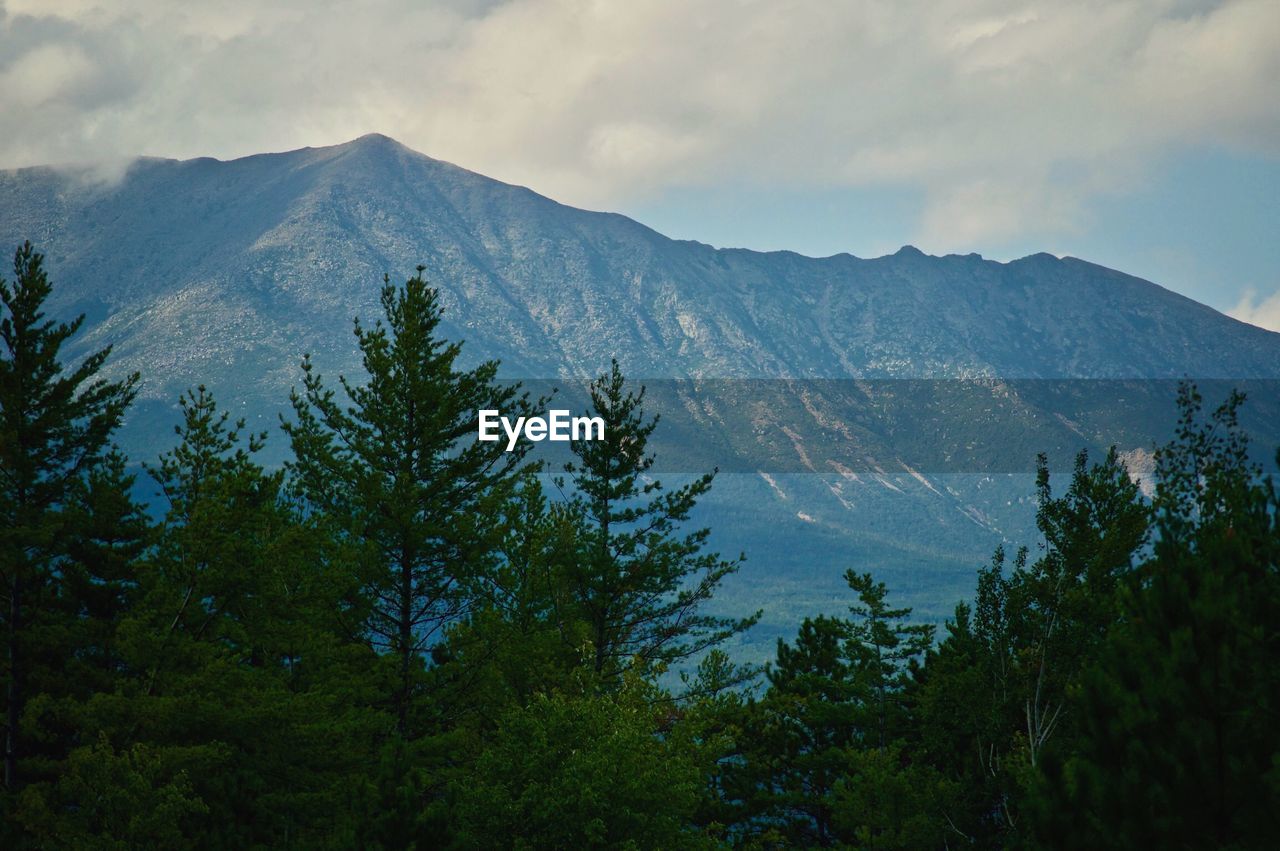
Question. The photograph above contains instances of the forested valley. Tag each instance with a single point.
(407, 638)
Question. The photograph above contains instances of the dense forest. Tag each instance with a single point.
(407, 638)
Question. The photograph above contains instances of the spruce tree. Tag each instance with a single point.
(55, 428)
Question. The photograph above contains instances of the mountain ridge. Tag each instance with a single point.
(378, 142)
(224, 273)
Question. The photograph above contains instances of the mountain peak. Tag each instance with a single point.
(373, 143)
(372, 140)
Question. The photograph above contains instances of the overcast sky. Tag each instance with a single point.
(1142, 134)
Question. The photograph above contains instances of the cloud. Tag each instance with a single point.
(1264, 313)
(1007, 117)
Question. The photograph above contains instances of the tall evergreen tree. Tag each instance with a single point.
(800, 733)
(55, 428)
(394, 464)
(883, 643)
(640, 582)
(106, 541)
(80, 641)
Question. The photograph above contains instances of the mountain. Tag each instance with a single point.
(225, 273)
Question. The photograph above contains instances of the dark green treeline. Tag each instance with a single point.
(401, 641)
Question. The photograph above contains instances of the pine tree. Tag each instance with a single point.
(882, 643)
(234, 676)
(962, 727)
(396, 468)
(801, 732)
(1179, 743)
(55, 429)
(107, 538)
(639, 584)
(79, 639)
(829, 733)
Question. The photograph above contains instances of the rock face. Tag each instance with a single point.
(225, 273)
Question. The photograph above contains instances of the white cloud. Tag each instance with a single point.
(1007, 115)
(48, 72)
(1265, 312)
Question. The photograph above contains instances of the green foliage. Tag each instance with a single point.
(523, 637)
(55, 474)
(638, 583)
(994, 694)
(232, 672)
(402, 641)
(583, 771)
(881, 644)
(107, 799)
(394, 470)
(54, 427)
(884, 800)
(829, 733)
(1180, 744)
